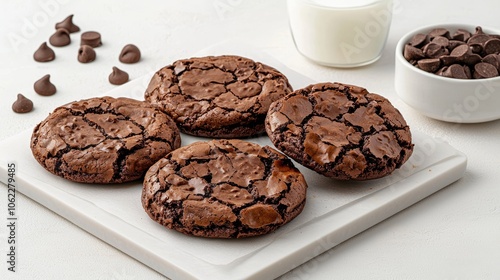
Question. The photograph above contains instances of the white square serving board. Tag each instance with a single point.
(334, 212)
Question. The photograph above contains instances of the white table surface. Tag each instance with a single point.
(453, 234)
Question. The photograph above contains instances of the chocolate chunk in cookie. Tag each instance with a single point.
(340, 131)
(217, 96)
(103, 140)
(224, 189)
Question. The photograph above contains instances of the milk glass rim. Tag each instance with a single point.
(313, 3)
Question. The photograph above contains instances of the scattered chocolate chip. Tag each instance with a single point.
(118, 77)
(60, 38)
(461, 55)
(44, 53)
(22, 104)
(484, 70)
(86, 54)
(44, 87)
(130, 54)
(68, 24)
(91, 38)
(429, 64)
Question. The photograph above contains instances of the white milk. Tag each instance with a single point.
(340, 33)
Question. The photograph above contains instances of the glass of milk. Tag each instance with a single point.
(340, 33)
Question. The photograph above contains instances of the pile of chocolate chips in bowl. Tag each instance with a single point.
(460, 55)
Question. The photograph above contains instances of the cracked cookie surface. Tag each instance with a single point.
(224, 189)
(340, 131)
(217, 96)
(103, 140)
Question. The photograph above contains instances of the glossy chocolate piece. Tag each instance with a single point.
(68, 24)
(118, 76)
(22, 104)
(44, 53)
(44, 87)
(60, 38)
(130, 54)
(86, 54)
(91, 38)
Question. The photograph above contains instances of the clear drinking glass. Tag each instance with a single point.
(340, 33)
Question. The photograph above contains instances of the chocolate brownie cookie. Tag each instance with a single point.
(103, 140)
(340, 131)
(224, 189)
(217, 96)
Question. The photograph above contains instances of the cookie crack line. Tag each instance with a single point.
(111, 111)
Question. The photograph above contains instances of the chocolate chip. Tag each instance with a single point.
(492, 46)
(412, 53)
(454, 44)
(60, 38)
(472, 59)
(429, 64)
(479, 30)
(130, 54)
(476, 48)
(118, 77)
(439, 32)
(22, 104)
(44, 87)
(442, 41)
(441, 71)
(461, 51)
(91, 38)
(86, 54)
(467, 71)
(455, 71)
(484, 70)
(493, 59)
(68, 24)
(433, 50)
(478, 39)
(44, 53)
(419, 40)
(448, 60)
(461, 35)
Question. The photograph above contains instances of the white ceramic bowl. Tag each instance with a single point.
(442, 98)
